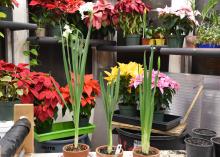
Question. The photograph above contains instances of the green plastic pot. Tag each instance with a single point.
(128, 110)
(133, 39)
(7, 110)
(175, 41)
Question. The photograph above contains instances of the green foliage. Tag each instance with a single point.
(159, 32)
(33, 53)
(6, 3)
(110, 96)
(209, 9)
(147, 96)
(2, 16)
(130, 23)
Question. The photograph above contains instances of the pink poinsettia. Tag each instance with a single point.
(102, 13)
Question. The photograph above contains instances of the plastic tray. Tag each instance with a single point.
(63, 130)
(169, 122)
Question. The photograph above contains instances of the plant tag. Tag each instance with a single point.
(118, 149)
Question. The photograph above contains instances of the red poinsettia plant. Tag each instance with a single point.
(39, 89)
(91, 89)
(63, 6)
(9, 77)
(129, 15)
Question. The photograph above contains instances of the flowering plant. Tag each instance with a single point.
(165, 89)
(9, 3)
(63, 6)
(102, 15)
(9, 77)
(129, 16)
(91, 89)
(127, 94)
(39, 89)
(178, 21)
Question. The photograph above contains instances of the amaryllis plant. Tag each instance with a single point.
(9, 77)
(63, 6)
(39, 90)
(178, 21)
(129, 16)
(165, 89)
(91, 89)
(9, 3)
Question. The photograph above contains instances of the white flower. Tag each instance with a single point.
(67, 31)
(87, 7)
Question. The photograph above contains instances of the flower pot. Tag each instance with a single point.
(83, 121)
(160, 42)
(191, 41)
(216, 142)
(154, 152)
(101, 151)
(40, 32)
(158, 116)
(174, 41)
(203, 133)
(54, 31)
(198, 147)
(152, 42)
(7, 110)
(128, 110)
(68, 151)
(8, 12)
(133, 39)
(145, 41)
(208, 45)
(56, 146)
(43, 127)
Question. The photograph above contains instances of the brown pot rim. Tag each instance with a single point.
(104, 146)
(87, 148)
(141, 155)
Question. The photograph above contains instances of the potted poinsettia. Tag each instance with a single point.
(165, 89)
(129, 18)
(110, 97)
(127, 94)
(39, 89)
(146, 99)
(178, 22)
(102, 24)
(9, 90)
(91, 89)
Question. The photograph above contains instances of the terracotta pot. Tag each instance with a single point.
(191, 41)
(99, 154)
(145, 41)
(82, 153)
(135, 154)
(40, 32)
(160, 42)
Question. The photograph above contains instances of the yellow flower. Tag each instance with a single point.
(131, 69)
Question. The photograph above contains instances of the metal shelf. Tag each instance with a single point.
(54, 40)
(17, 25)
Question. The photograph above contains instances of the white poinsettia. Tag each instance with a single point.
(87, 7)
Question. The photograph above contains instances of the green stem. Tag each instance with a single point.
(110, 142)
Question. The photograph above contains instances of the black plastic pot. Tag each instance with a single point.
(130, 138)
(83, 122)
(198, 147)
(216, 142)
(128, 110)
(7, 110)
(56, 146)
(203, 133)
(14, 138)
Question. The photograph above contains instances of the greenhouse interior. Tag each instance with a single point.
(109, 78)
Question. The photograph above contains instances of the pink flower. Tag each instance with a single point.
(136, 81)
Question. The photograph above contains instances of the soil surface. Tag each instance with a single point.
(198, 142)
(71, 148)
(205, 132)
(105, 151)
(151, 152)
